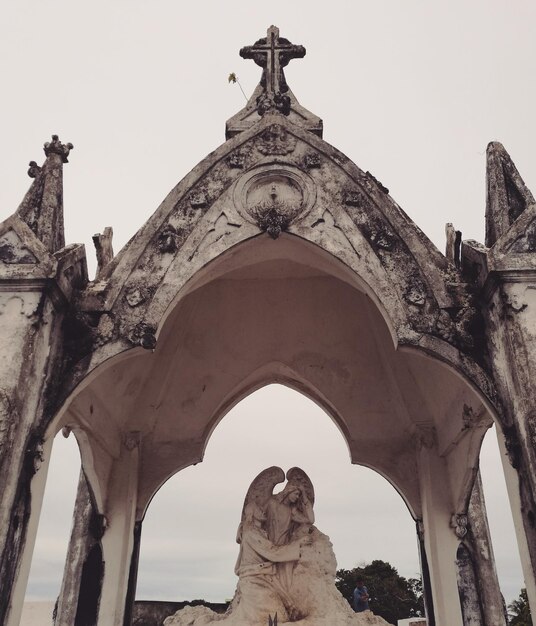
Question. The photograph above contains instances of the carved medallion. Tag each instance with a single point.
(273, 197)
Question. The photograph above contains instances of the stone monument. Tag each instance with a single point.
(286, 566)
(275, 260)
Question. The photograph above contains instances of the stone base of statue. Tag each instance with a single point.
(312, 598)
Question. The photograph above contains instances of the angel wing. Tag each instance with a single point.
(262, 486)
(298, 477)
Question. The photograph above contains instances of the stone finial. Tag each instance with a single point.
(33, 169)
(56, 147)
(273, 53)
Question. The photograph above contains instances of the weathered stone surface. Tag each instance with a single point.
(275, 259)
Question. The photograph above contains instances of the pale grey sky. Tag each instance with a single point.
(412, 91)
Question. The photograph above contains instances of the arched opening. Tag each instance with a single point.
(281, 312)
(188, 542)
(48, 561)
(500, 520)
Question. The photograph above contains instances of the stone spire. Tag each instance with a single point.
(42, 206)
(507, 195)
(273, 95)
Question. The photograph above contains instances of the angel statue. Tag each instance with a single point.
(285, 567)
(289, 514)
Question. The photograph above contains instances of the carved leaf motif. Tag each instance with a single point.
(275, 140)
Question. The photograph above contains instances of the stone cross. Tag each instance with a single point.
(273, 53)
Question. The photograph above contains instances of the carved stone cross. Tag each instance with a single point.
(273, 53)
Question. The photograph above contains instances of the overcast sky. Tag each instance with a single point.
(412, 91)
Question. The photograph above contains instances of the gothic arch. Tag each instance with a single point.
(331, 204)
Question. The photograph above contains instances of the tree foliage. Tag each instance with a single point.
(519, 611)
(392, 596)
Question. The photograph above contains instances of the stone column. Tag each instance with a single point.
(27, 510)
(118, 540)
(440, 542)
(133, 575)
(87, 530)
(513, 485)
(425, 573)
(512, 339)
(481, 550)
(29, 331)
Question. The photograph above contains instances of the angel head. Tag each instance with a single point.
(291, 493)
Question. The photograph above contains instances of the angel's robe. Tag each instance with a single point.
(282, 520)
(261, 593)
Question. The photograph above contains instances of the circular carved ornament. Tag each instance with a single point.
(274, 196)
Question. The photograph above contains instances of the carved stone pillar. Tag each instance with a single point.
(440, 542)
(478, 585)
(82, 561)
(489, 592)
(119, 545)
(425, 573)
(29, 322)
(512, 338)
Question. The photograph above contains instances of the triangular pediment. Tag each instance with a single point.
(13, 251)
(21, 252)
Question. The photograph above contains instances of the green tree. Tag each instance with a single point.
(519, 611)
(392, 596)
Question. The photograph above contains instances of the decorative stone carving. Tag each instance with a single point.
(383, 239)
(135, 296)
(143, 335)
(273, 196)
(513, 299)
(221, 227)
(236, 160)
(273, 101)
(167, 239)
(198, 199)
(105, 329)
(33, 169)
(460, 524)
(275, 140)
(312, 160)
(415, 292)
(286, 566)
(353, 197)
(56, 147)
